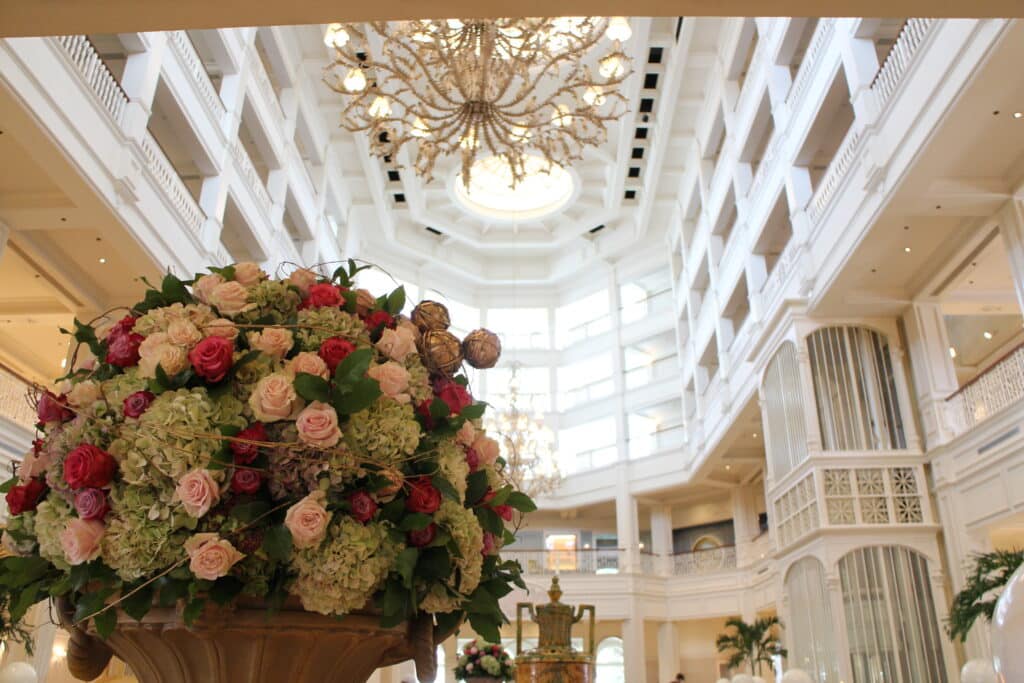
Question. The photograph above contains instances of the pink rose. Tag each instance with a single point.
(91, 504)
(490, 544)
(212, 358)
(310, 363)
(365, 301)
(397, 344)
(210, 556)
(183, 333)
(363, 507)
(274, 398)
(249, 274)
(403, 323)
(466, 434)
(221, 327)
(52, 408)
(303, 279)
(203, 287)
(80, 540)
(317, 425)
(472, 459)
(198, 492)
(393, 380)
(230, 298)
(307, 520)
(487, 448)
(273, 341)
(33, 464)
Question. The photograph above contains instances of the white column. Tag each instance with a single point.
(1011, 227)
(139, 81)
(668, 652)
(903, 397)
(842, 640)
(626, 528)
(618, 376)
(451, 655)
(661, 538)
(633, 648)
(814, 444)
(860, 63)
(932, 368)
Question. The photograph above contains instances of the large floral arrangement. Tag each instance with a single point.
(484, 660)
(238, 435)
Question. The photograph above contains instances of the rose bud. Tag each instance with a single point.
(212, 358)
(423, 537)
(504, 511)
(25, 497)
(334, 350)
(244, 452)
(123, 349)
(323, 294)
(136, 404)
(363, 506)
(53, 409)
(246, 481)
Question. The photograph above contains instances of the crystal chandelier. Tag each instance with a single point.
(465, 87)
(527, 444)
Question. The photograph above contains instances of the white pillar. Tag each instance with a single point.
(842, 640)
(932, 368)
(626, 528)
(668, 652)
(1011, 227)
(139, 82)
(451, 656)
(633, 648)
(661, 537)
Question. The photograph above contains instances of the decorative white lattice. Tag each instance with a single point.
(904, 481)
(874, 510)
(840, 511)
(908, 510)
(870, 482)
(873, 495)
(797, 511)
(837, 483)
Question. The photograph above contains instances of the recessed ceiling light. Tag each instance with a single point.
(1018, 114)
(986, 334)
(906, 250)
(728, 467)
(63, 362)
(102, 260)
(755, 435)
(952, 352)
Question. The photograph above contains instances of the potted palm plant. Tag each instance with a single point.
(484, 663)
(752, 644)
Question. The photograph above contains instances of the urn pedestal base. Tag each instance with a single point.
(549, 671)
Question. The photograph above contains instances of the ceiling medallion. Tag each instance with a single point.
(510, 88)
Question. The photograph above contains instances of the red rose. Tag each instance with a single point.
(423, 409)
(91, 504)
(504, 511)
(245, 453)
(136, 404)
(323, 294)
(472, 459)
(123, 326)
(246, 481)
(25, 497)
(454, 394)
(377, 319)
(423, 497)
(53, 409)
(423, 536)
(123, 349)
(363, 506)
(488, 496)
(88, 466)
(335, 350)
(37, 446)
(212, 358)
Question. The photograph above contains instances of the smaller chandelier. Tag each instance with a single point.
(508, 88)
(527, 444)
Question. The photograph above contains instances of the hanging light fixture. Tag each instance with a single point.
(527, 444)
(501, 87)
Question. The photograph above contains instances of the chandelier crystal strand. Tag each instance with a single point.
(470, 87)
(527, 445)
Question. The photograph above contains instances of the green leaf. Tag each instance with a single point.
(342, 277)
(406, 564)
(474, 411)
(396, 301)
(417, 521)
(28, 596)
(226, 589)
(522, 502)
(353, 368)
(490, 521)
(434, 563)
(395, 603)
(277, 542)
(248, 512)
(192, 611)
(360, 396)
(227, 272)
(439, 409)
(501, 497)
(137, 604)
(90, 603)
(448, 621)
(9, 484)
(477, 487)
(62, 586)
(21, 571)
(485, 627)
(312, 388)
(104, 622)
(445, 487)
(173, 290)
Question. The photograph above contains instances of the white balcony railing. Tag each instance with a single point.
(586, 561)
(997, 387)
(909, 39)
(14, 399)
(186, 51)
(80, 52)
(593, 391)
(664, 439)
(595, 458)
(586, 330)
(172, 184)
(248, 173)
(704, 561)
(659, 369)
(821, 37)
(653, 303)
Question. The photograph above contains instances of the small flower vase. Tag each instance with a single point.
(1008, 629)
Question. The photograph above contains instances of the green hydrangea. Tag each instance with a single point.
(318, 324)
(490, 665)
(246, 377)
(385, 432)
(419, 379)
(469, 539)
(164, 439)
(19, 537)
(158, 319)
(451, 463)
(119, 387)
(276, 303)
(143, 535)
(52, 516)
(342, 573)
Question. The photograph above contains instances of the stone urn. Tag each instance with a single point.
(247, 644)
(1008, 629)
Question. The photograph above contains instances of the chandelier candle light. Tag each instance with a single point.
(460, 86)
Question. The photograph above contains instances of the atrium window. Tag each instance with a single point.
(611, 667)
(534, 388)
(585, 380)
(582, 319)
(646, 295)
(520, 328)
(587, 446)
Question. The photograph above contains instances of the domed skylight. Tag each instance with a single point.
(545, 190)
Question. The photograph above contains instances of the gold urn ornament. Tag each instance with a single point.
(430, 315)
(482, 349)
(554, 660)
(442, 351)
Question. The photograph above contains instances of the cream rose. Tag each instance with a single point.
(198, 492)
(364, 301)
(487, 448)
(173, 359)
(273, 341)
(184, 333)
(210, 556)
(80, 540)
(221, 327)
(409, 326)
(397, 344)
(303, 279)
(393, 380)
(317, 425)
(466, 434)
(230, 298)
(307, 520)
(249, 274)
(33, 465)
(203, 287)
(310, 363)
(274, 398)
(84, 394)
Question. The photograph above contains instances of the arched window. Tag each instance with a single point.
(809, 631)
(891, 623)
(855, 388)
(610, 662)
(785, 429)
(706, 543)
